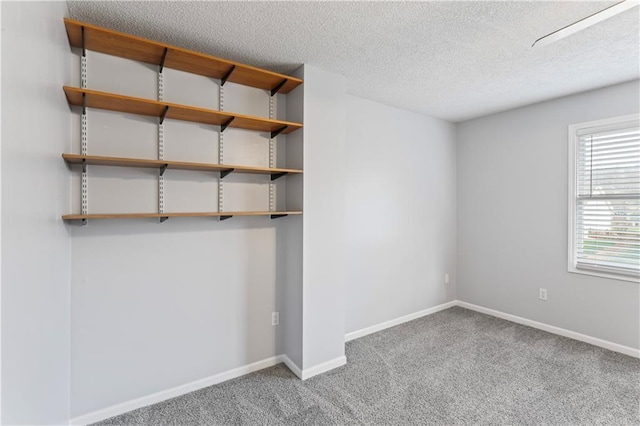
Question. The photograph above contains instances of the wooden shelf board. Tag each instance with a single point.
(167, 215)
(129, 104)
(139, 49)
(97, 160)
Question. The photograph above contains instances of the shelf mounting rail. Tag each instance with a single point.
(161, 137)
(84, 132)
(223, 127)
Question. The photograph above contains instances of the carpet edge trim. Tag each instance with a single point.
(616, 347)
(143, 401)
(397, 321)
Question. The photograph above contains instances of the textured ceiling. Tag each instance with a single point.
(453, 60)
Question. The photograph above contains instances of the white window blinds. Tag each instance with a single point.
(607, 199)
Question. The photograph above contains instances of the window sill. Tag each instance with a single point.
(602, 274)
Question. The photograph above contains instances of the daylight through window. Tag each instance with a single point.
(605, 197)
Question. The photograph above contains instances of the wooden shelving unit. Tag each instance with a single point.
(115, 43)
(223, 215)
(113, 102)
(175, 165)
(86, 36)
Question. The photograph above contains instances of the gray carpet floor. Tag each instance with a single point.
(454, 367)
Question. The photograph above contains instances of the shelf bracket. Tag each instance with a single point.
(163, 168)
(164, 57)
(278, 87)
(226, 75)
(84, 222)
(163, 219)
(84, 166)
(225, 217)
(164, 114)
(276, 216)
(277, 132)
(275, 176)
(84, 103)
(84, 52)
(224, 125)
(224, 173)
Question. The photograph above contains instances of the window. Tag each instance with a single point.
(604, 198)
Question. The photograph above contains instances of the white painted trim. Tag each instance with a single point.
(313, 371)
(392, 323)
(307, 373)
(292, 366)
(572, 139)
(513, 318)
(555, 330)
(154, 398)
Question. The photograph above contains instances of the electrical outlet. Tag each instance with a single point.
(275, 318)
(446, 278)
(543, 294)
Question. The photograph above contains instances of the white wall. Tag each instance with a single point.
(512, 218)
(35, 193)
(156, 306)
(400, 212)
(324, 223)
(289, 283)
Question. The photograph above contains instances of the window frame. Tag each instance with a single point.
(572, 186)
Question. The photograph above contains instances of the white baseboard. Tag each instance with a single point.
(307, 373)
(313, 371)
(304, 374)
(553, 329)
(513, 318)
(292, 366)
(154, 398)
(392, 323)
